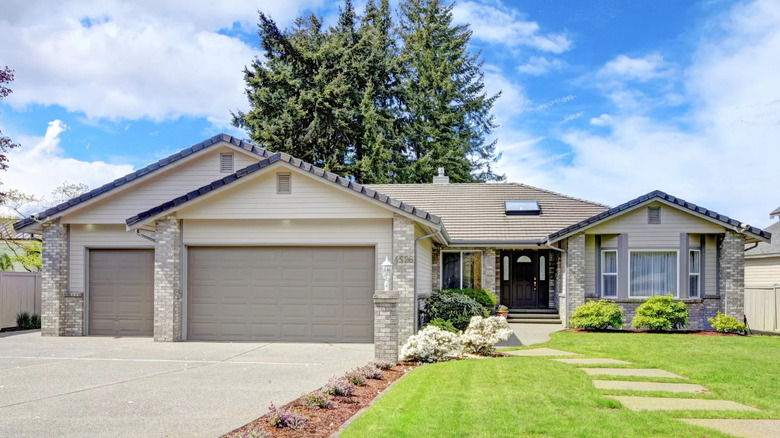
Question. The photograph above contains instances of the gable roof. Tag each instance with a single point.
(767, 249)
(474, 213)
(774, 213)
(167, 161)
(360, 189)
(656, 195)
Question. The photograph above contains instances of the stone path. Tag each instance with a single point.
(739, 427)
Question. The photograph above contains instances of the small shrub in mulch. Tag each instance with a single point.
(322, 422)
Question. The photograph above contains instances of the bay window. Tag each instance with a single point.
(653, 273)
(461, 269)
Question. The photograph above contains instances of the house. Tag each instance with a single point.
(227, 241)
(762, 259)
(12, 245)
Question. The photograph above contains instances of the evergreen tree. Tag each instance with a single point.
(448, 111)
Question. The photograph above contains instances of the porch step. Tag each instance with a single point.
(533, 311)
(533, 321)
(534, 318)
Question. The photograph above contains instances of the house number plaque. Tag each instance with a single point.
(402, 260)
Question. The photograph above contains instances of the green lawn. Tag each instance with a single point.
(539, 397)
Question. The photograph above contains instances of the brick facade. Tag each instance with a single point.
(73, 314)
(576, 275)
(731, 274)
(54, 278)
(403, 274)
(167, 281)
(386, 325)
(699, 311)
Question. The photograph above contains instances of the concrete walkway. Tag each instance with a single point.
(743, 428)
(529, 334)
(131, 387)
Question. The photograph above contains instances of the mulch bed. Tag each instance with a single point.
(676, 332)
(323, 422)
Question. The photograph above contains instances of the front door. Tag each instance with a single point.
(523, 282)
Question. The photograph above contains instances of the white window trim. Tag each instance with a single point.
(614, 274)
(697, 274)
(631, 288)
(481, 267)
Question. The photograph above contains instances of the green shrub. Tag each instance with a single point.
(23, 320)
(443, 324)
(35, 321)
(455, 308)
(661, 313)
(727, 324)
(483, 297)
(601, 314)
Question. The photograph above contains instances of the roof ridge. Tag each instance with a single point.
(249, 147)
(598, 204)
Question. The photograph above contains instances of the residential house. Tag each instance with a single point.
(762, 259)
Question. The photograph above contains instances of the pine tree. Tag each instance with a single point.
(448, 110)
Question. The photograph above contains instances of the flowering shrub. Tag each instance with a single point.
(282, 418)
(431, 344)
(383, 364)
(356, 377)
(342, 387)
(483, 334)
(255, 433)
(443, 324)
(727, 324)
(316, 400)
(370, 371)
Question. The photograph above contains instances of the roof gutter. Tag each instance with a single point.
(565, 286)
(416, 303)
(494, 244)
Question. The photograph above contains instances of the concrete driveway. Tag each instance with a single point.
(98, 386)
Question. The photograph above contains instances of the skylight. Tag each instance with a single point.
(521, 208)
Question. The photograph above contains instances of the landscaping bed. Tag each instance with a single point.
(677, 332)
(324, 422)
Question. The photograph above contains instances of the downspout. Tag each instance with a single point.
(416, 304)
(565, 282)
(754, 245)
(149, 238)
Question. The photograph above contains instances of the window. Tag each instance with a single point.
(283, 183)
(513, 208)
(653, 273)
(505, 270)
(542, 268)
(653, 215)
(609, 273)
(226, 163)
(694, 268)
(461, 270)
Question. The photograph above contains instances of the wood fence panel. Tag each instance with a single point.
(762, 307)
(19, 292)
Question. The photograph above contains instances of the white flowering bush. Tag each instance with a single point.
(482, 334)
(430, 344)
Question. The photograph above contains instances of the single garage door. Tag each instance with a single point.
(121, 292)
(297, 294)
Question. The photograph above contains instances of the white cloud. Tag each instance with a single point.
(128, 60)
(502, 25)
(40, 165)
(556, 101)
(538, 65)
(512, 100)
(570, 117)
(721, 153)
(641, 69)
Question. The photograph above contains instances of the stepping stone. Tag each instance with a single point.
(541, 352)
(649, 386)
(640, 372)
(593, 361)
(678, 404)
(743, 428)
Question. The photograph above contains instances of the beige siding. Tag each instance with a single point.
(609, 241)
(96, 236)
(301, 232)
(170, 184)
(590, 263)
(663, 235)
(424, 263)
(309, 199)
(762, 271)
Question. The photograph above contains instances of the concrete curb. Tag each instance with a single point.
(346, 424)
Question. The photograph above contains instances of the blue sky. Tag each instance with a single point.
(604, 100)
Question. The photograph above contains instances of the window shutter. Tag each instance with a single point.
(226, 163)
(653, 215)
(283, 183)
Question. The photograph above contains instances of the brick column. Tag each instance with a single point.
(386, 325)
(731, 272)
(54, 277)
(403, 274)
(72, 322)
(575, 278)
(489, 270)
(167, 282)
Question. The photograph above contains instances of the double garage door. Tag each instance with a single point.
(317, 294)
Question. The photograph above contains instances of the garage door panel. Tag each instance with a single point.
(121, 292)
(280, 293)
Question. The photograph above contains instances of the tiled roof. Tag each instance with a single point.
(141, 172)
(657, 194)
(344, 182)
(774, 213)
(763, 248)
(475, 212)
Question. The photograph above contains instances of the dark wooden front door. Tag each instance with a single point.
(524, 280)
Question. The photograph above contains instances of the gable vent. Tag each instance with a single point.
(653, 215)
(283, 183)
(226, 163)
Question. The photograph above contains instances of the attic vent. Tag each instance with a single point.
(226, 163)
(513, 208)
(653, 215)
(283, 183)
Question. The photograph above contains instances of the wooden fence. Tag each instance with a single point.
(19, 292)
(762, 307)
